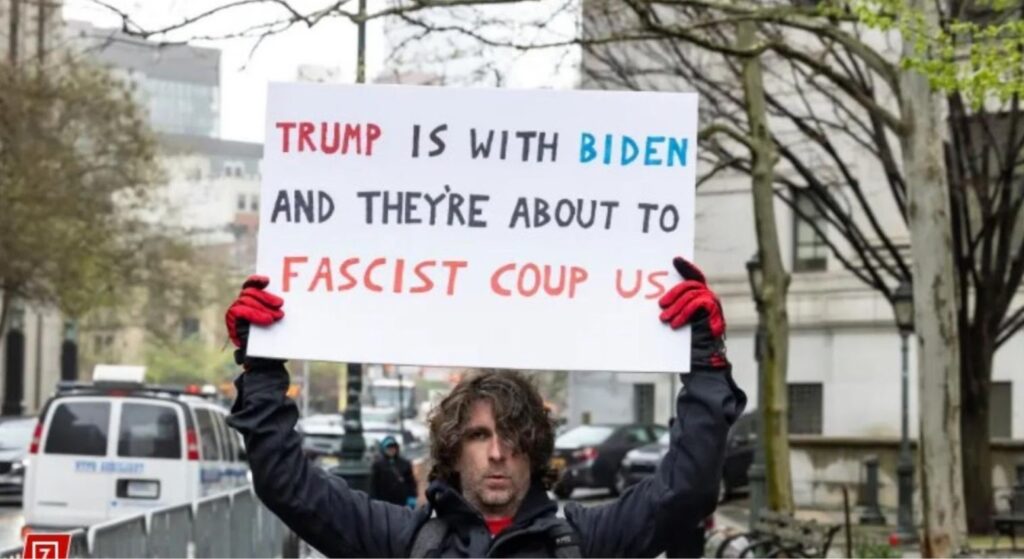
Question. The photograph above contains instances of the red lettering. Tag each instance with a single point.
(453, 269)
(330, 146)
(660, 288)
(496, 278)
(618, 284)
(399, 269)
(351, 132)
(536, 280)
(372, 133)
(576, 277)
(286, 281)
(550, 289)
(306, 130)
(350, 280)
(428, 284)
(286, 131)
(367, 280)
(323, 273)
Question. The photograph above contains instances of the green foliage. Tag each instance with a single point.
(869, 547)
(188, 361)
(978, 54)
(76, 163)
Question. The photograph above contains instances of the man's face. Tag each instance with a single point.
(391, 450)
(494, 474)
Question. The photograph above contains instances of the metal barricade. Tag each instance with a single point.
(170, 532)
(123, 537)
(243, 523)
(234, 524)
(211, 526)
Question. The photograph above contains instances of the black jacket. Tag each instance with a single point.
(341, 522)
(391, 479)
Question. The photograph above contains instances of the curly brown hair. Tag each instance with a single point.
(519, 413)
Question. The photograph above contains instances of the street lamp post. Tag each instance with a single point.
(903, 307)
(756, 473)
(353, 467)
(14, 361)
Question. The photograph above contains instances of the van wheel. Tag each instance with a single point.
(563, 490)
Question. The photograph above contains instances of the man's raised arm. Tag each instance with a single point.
(649, 517)
(319, 507)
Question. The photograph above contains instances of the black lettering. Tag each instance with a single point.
(455, 209)
(480, 148)
(564, 204)
(282, 204)
(586, 224)
(609, 205)
(674, 217)
(522, 210)
(438, 141)
(647, 208)
(410, 207)
(392, 207)
(369, 196)
(543, 146)
(325, 206)
(303, 206)
(475, 211)
(541, 217)
(415, 140)
(526, 136)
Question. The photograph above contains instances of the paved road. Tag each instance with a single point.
(11, 522)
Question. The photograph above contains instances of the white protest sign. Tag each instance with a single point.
(476, 227)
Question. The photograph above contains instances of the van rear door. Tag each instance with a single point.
(151, 449)
(69, 485)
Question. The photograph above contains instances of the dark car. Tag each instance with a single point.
(15, 436)
(589, 455)
(739, 454)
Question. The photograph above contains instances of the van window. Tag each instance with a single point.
(79, 428)
(149, 431)
(207, 435)
(222, 436)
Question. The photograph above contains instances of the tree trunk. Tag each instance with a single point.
(938, 359)
(773, 400)
(975, 383)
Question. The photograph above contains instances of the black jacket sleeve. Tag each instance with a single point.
(684, 490)
(319, 507)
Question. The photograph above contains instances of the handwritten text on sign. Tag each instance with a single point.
(434, 226)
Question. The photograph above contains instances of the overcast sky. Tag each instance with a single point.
(332, 43)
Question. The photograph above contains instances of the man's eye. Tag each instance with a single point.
(478, 436)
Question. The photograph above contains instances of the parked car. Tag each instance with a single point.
(739, 454)
(590, 455)
(114, 447)
(15, 436)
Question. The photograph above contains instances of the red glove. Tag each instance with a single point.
(253, 306)
(692, 303)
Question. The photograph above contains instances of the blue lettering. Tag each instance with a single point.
(677, 148)
(650, 150)
(629, 150)
(587, 151)
(607, 149)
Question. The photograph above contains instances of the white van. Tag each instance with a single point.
(110, 449)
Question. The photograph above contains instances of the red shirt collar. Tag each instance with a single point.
(496, 525)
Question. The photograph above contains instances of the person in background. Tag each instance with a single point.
(391, 478)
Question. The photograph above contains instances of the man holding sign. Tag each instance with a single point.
(490, 444)
(521, 229)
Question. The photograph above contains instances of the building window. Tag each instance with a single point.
(254, 203)
(643, 403)
(805, 408)
(241, 202)
(189, 327)
(809, 249)
(1000, 410)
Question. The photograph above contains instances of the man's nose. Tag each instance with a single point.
(497, 450)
